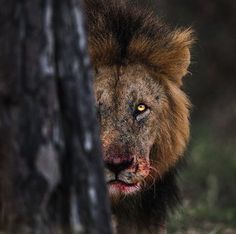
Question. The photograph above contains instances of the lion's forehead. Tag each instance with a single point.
(126, 86)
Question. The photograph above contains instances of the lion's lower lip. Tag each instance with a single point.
(121, 182)
(123, 186)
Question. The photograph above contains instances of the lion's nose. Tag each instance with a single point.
(118, 165)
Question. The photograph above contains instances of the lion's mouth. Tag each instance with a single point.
(120, 186)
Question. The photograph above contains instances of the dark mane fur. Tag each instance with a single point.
(152, 206)
(122, 32)
(121, 23)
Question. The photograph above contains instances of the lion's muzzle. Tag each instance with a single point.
(117, 165)
(124, 170)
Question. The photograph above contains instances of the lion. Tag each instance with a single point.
(138, 63)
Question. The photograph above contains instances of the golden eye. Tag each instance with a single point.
(141, 107)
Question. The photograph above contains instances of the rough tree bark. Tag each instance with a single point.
(51, 172)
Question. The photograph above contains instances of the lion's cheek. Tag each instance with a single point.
(143, 168)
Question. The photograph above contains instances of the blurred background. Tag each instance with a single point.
(209, 180)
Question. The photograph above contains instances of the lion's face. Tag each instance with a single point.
(139, 117)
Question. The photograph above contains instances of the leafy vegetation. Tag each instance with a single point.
(207, 184)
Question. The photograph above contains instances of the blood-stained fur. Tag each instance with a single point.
(139, 63)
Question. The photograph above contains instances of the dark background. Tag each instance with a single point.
(209, 180)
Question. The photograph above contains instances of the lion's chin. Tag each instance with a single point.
(119, 189)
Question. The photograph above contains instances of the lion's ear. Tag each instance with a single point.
(176, 57)
(168, 52)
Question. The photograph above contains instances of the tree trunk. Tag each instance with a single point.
(51, 172)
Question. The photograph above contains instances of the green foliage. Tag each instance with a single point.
(208, 184)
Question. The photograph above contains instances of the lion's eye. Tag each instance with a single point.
(141, 111)
(141, 107)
